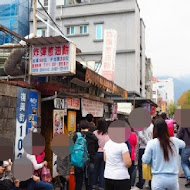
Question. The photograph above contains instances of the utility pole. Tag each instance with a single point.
(34, 5)
(52, 13)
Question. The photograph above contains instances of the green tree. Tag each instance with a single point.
(171, 108)
(188, 96)
(184, 98)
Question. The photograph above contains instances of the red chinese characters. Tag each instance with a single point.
(57, 50)
(35, 52)
(73, 103)
(65, 50)
(43, 51)
(50, 51)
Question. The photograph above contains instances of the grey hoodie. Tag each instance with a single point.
(184, 134)
(63, 166)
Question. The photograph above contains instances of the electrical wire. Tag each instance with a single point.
(50, 17)
(43, 14)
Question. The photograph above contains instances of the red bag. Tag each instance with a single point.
(40, 157)
(46, 174)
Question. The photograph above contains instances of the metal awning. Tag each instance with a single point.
(140, 101)
(49, 40)
(97, 80)
(137, 100)
(133, 94)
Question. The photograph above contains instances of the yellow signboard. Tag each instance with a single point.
(71, 121)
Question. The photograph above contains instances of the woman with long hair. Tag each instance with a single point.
(162, 152)
(102, 134)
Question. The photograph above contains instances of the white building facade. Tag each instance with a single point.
(84, 23)
(164, 89)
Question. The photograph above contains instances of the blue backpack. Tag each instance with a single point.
(79, 155)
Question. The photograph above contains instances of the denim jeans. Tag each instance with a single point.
(165, 182)
(41, 185)
(132, 172)
(86, 174)
(185, 163)
(99, 165)
(141, 181)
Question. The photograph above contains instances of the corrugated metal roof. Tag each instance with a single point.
(94, 78)
(49, 40)
(138, 100)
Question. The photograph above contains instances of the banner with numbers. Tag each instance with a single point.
(26, 116)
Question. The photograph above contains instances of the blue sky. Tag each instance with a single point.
(167, 35)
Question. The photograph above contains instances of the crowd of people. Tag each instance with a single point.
(111, 165)
(116, 164)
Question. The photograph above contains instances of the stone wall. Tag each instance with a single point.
(8, 99)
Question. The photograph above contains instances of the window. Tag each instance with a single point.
(45, 3)
(70, 30)
(41, 32)
(99, 33)
(84, 29)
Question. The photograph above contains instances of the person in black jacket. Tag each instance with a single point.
(92, 146)
(90, 119)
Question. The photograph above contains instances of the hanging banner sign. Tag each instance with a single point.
(114, 111)
(92, 107)
(73, 103)
(59, 103)
(58, 128)
(53, 59)
(71, 121)
(58, 122)
(109, 54)
(32, 112)
(21, 120)
(26, 117)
